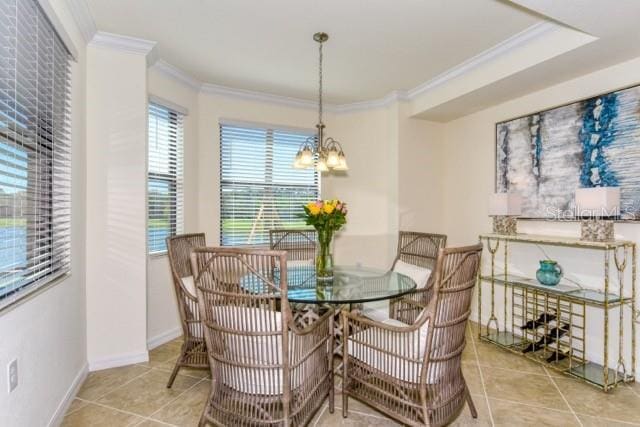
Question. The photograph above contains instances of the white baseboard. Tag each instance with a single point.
(58, 415)
(116, 361)
(164, 337)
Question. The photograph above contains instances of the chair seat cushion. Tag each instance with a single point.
(252, 350)
(300, 263)
(420, 275)
(189, 285)
(386, 356)
(374, 312)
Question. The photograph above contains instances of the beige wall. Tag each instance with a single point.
(46, 333)
(211, 109)
(116, 207)
(468, 179)
(369, 139)
(420, 174)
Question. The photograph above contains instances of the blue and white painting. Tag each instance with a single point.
(545, 156)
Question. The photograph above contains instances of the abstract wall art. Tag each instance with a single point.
(595, 142)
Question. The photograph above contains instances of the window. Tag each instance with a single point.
(164, 178)
(35, 151)
(259, 188)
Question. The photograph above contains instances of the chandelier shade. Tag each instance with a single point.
(325, 154)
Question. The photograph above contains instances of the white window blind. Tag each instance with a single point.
(259, 188)
(35, 151)
(164, 180)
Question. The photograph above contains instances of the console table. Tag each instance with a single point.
(560, 339)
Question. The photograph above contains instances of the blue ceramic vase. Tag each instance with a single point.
(549, 273)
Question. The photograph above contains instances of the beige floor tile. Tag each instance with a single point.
(490, 355)
(99, 383)
(356, 406)
(620, 404)
(354, 419)
(635, 387)
(75, 405)
(469, 354)
(466, 420)
(164, 353)
(472, 377)
(147, 394)
(589, 421)
(522, 387)
(515, 414)
(187, 409)
(99, 416)
(152, 423)
(191, 372)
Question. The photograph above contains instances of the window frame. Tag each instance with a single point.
(270, 139)
(175, 180)
(45, 140)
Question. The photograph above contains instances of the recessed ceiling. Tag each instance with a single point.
(375, 46)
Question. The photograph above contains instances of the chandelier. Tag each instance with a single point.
(327, 152)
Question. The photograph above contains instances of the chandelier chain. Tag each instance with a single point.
(320, 89)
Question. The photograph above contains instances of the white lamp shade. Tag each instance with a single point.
(598, 201)
(505, 204)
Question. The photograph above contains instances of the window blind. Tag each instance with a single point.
(259, 188)
(164, 180)
(35, 151)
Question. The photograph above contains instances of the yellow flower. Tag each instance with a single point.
(313, 208)
(329, 208)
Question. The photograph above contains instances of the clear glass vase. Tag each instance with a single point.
(324, 258)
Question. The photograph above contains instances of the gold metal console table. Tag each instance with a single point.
(562, 343)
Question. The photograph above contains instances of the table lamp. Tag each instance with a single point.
(596, 207)
(505, 208)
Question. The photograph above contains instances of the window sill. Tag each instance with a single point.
(157, 254)
(29, 292)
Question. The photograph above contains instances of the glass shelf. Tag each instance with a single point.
(590, 372)
(590, 296)
(557, 240)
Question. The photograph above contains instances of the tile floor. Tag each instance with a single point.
(507, 390)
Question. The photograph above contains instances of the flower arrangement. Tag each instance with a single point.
(327, 217)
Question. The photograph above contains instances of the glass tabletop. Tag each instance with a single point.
(350, 284)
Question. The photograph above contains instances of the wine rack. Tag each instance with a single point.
(557, 335)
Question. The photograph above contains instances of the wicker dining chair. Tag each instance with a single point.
(415, 249)
(193, 353)
(413, 372)
(265, 370)
(300, 244)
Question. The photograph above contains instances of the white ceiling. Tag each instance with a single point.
(375, 46)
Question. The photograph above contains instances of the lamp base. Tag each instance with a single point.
(596, 230)
(504, 224)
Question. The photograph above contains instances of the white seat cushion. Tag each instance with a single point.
(189, 285)
(300, 263)
(373, 312)
(420, 275)
(262, 350)
(391, 364)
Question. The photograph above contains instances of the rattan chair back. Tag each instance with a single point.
(263, 371)
(300, 245)
(193, 353)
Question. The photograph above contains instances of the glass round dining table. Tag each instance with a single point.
(350, 285)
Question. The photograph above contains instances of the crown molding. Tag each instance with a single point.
(84, 20)
(146, 47)
(385, 101)
(177, 74)
(123, 43)
(514, 42)
(260, 96)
